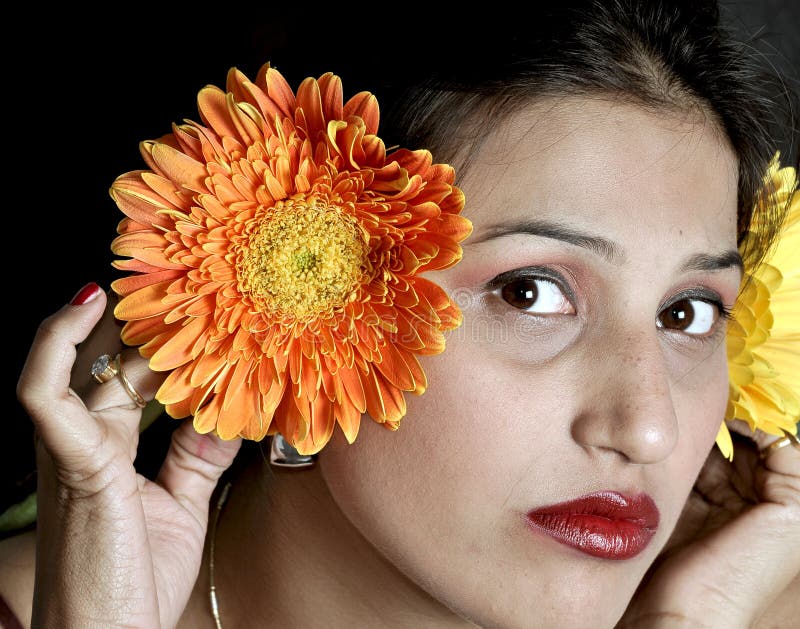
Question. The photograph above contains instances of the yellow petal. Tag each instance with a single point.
(724, 441)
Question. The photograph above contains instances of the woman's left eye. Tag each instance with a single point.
(536, 295)
(690, 316)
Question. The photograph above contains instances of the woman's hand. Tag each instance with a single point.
(113, 548)
(734, 557)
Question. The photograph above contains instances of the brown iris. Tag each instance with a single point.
(677, 316)
(521, 294)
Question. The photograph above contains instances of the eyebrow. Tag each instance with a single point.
(548, 229)
(714, 262)
(601, 246)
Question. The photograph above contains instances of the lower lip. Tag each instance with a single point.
(606, 524)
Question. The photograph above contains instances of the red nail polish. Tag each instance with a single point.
(85, 294)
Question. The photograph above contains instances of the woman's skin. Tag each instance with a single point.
(593, 388)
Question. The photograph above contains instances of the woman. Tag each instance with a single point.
(611, 155)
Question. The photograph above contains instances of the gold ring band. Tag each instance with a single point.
(104, 368)
(788, 440)
(135, 396)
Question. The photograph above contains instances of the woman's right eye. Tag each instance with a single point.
(537, 296)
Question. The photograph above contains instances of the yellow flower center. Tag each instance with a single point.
(302, 258)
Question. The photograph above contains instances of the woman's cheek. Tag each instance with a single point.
(702, 399)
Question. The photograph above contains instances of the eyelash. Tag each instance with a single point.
(496, 284)
(724, 313)
(532, 273)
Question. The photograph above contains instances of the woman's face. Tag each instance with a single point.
(591, 360)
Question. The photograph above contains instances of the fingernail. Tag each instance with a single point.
(85, 294)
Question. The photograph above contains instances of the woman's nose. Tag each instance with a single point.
(628, 407)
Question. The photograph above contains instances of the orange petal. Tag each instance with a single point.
(384, 402)
(244, 117)
(394, 368)
(236, 387)
(203, 395)
(138, 201)
(331, 96)
(177, 386)
(141, 331)
(257, 425)
(277, 89)
(205, 419)
(412, 327)
(454, 226)
(130, 244)
(179, 410)
(309, 101)
(213, 108)
(143, 303)
(175, 198)
(127, 285)
(351, 380)
(135, 266)
(365, 106)
(292, 422)
(175, 351)
(268, 108)
(272, 396)
(323, 422)
(207, 367)
(236, 411)
(349, 419)
(420, 379)
(179, 167)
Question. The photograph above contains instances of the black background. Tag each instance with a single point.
(82, 89)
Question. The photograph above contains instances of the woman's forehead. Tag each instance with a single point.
(590, 161)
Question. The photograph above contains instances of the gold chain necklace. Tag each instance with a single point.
(281, 454)
(212, 588)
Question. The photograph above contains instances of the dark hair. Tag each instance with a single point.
(453, 81)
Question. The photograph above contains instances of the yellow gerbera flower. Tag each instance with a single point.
(276, 253)
(764, 335)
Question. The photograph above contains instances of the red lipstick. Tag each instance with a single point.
(605, 524)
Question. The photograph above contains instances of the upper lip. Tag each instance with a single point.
(635, 508)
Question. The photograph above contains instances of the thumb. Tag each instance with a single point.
(193, 466)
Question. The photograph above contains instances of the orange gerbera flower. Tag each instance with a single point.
(275, 254)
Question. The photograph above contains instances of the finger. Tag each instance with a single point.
(771, 529)
(103, 339)
(770, 550)
(113, 394)
(782, 481)
(193, 465)
(43, 386)
(779, 469)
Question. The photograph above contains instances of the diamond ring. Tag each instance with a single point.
(104, 368)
